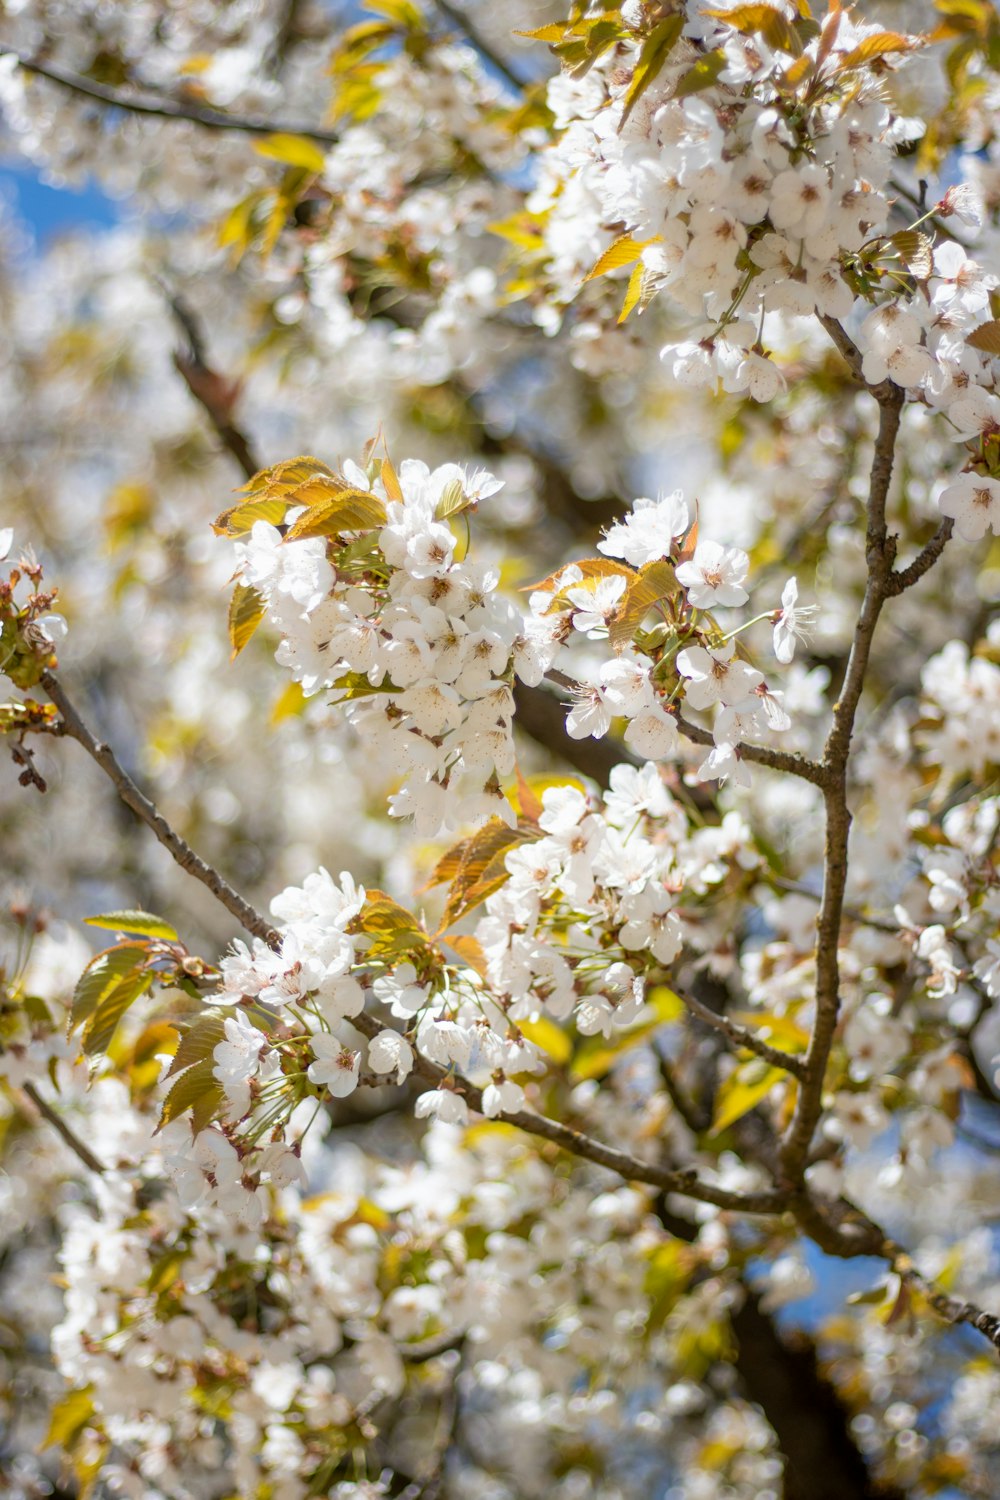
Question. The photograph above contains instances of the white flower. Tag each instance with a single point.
(855, 1119)
(336, 1067)
(589, 714)
(595, 603)
(652, 734)
(714, 576)
(442, 1104)
(401, 991)
(390, 1052)
(716, 676)
(874, 1039)
(790, 622)
(649, 531)
(502, 1098)
(973, 501)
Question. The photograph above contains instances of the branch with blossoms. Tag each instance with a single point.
(362, 583)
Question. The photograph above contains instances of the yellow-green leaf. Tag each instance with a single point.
(294, 151)
(289, 703)
(667, 1005)
(762, 20)
(349, 510)
(551, 1038)
(879, 45)
(69, 1417)
(916, 250)
(742, 1091)
(246, 610)
(239, 519)
(102, 1024)
(104, 970)
(701, 75)
(634, 293)
(653, 582)
(197, 1090)
(134, 921)
(198, 1042)
(622, 252)
(653, 55)
(551, 33)
(986, 337)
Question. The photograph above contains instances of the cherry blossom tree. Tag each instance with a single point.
(620, 1118)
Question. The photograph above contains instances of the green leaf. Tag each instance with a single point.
(197, 1090)
(881, 44)
(761, 20)
(239, 519)
(144, 922)
(101, 1026)
(69, 1417)
(198, 1042)
(622, 252)
(293, 150)
(104, 971)
(655, 50)
(246, 610)
(653, 582)
(742, 1091)
(702, 75)
(347, 510)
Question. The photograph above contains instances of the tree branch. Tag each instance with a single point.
(161, 107)
(880, 553)
(791, 763)
(741, 1036)
(684, 1181)
(476, 39)
(59, 1125)
(906, 577)
(249, 918)
(216, 395)
(574, 1141)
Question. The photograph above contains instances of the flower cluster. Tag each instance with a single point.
(29, 629)
(746, 187)
(419, 646)
(685, 657)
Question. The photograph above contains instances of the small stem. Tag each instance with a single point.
(247, 915)
(742, 1036)
(163, 108)
(58, 1124)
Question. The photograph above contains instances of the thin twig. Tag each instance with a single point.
(59, 1125)
(216, 395)
(742, 1036)
(905, 578)
(791, 763)
(485, 49)
(632, 1168)
(161, 107)
(248, 916)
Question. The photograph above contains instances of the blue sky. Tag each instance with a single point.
(49, 211)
